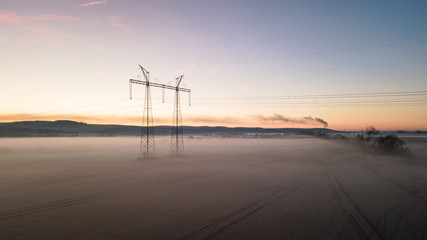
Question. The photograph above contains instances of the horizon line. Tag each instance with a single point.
(223, 126)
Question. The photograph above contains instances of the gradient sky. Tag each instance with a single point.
(72, 59)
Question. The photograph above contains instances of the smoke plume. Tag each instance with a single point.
(303, 120)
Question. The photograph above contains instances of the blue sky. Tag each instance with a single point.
(73, 59)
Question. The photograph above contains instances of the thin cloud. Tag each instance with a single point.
(190, 66)
(92, 3)
(116, 21)
(40, 24)
(303, 120)
(90, 48)
(210, 69)
(16, 19)
(212, 120)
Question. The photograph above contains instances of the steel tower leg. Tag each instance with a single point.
(147, 146)
(177, 140)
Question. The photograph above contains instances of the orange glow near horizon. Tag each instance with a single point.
(335, 124)
(65, 60)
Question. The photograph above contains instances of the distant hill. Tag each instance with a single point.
(70, 128)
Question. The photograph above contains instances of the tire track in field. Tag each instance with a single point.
(390, 181)
(355, 215)
(211, 230)
(11, 186)
(62, 203)
(76, 200)
(395, 227)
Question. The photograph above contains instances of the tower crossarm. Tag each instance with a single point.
(159, 85)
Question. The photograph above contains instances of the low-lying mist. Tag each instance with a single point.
(221, 188)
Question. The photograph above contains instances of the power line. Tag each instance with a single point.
(324, 52)
(333, 104)
(328, 69)
(376, 99)
(337, 95)
(349, 102)
(379, 99)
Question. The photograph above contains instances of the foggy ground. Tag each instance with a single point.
(292, 188)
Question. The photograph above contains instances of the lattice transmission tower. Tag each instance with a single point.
(147, 144)
(177, 138)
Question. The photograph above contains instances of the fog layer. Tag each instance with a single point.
(288, 188)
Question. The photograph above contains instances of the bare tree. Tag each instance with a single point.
(391, 143)
(371, 132)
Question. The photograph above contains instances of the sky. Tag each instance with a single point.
(343, 65)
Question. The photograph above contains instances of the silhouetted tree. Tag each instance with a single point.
(360, 136)
(391, 143)
(371, 132)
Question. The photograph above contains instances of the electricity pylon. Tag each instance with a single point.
(147, 144)
(177, 139)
